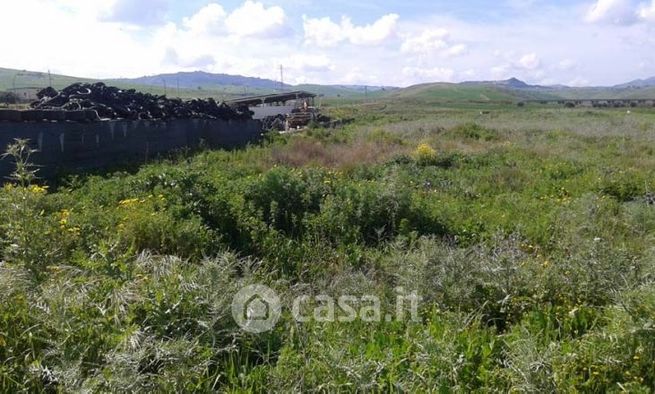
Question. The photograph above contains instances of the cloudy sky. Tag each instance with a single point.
(375, 42)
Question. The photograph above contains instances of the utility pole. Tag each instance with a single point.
(49, 78)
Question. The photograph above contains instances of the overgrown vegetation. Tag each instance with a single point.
(528, 233)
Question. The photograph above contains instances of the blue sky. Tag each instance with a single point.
(580, 42)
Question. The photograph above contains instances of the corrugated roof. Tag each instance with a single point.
(272, 98)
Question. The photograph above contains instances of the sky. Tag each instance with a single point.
(364, 42)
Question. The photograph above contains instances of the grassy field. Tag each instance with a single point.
(528, 233)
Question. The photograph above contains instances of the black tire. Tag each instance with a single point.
(92, 115)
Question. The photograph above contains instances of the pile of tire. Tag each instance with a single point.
(274, 123)
(108, 102)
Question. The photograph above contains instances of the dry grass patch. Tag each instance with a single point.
(308, 152)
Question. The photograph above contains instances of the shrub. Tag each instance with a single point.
(362, 212)
(425, 154)
(32, 232)
(146, 225)
(282, 197)
(474, 131)
(622, 185)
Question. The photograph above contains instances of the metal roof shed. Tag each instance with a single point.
(272, 98)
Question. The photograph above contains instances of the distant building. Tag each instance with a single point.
(26, 93)
(276, 104)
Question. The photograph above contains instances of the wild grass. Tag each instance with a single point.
(528, 233)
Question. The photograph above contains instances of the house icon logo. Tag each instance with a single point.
(256, 308)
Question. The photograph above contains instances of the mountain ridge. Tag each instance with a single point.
(225, 86)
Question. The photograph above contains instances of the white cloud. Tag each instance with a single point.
(619, 12)
(309, 63)
(254, 19)
(428, 41)
(436, 74)
(530, 61)
(373, 34)
(647, 11)
(566, 65)
(389, 50)
(322, 32)
(356, 76)
(209, 19)
(86, 47)
(251, 19)
(432, 42)
(325, 33)
(456, 50)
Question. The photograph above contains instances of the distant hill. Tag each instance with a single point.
(19, 78)
(223, 86)
(638, 83)
(346, 91)
(516, 90)
(597, 93)
(485, 91)
(204, 80)
(511, 83)
(186, 84)
(239, 84)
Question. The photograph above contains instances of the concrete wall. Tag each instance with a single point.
(86, 146)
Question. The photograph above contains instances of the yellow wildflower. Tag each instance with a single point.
(64, 215)
(36, 189)
(129, 202)
(425, 152)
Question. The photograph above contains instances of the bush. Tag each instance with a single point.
(623, 186)
(283, 197)
(425, 154)
(474, 131)
(368, 213)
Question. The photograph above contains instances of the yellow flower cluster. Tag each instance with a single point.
(425, 152)
(64, 217)
(130, 202)
(36, 189)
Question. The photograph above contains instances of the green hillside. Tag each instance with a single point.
(10, 78)
(601, 92)
(448, 93)
(470, 92)
(342, 91)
